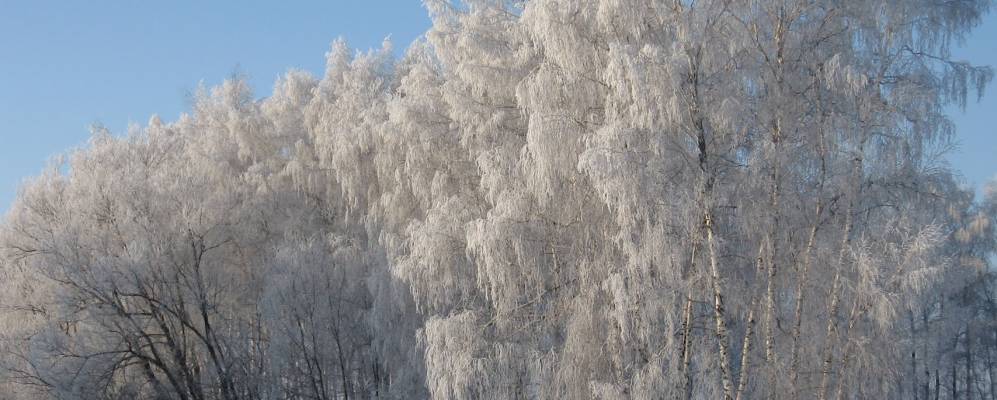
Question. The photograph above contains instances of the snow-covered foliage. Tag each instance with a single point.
(546, 199)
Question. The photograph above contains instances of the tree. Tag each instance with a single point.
(544, 199)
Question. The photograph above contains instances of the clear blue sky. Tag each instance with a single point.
(976, 155)
(67, 64)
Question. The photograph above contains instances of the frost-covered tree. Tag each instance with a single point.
(540, 199)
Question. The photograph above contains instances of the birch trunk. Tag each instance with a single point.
(938, 384)
(832, 328)
(913, 356)
(770, 266)
(858, 309)
(770, 357)
(800, 286)
(706, 195)
(745, 352)
(832, 312)
(990, 370)
(969, 364)
(686, 341)
(686, 352)
(719, 311)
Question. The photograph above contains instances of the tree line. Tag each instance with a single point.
(547, 199)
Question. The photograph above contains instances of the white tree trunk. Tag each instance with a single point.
(745, 354)
(719, 311)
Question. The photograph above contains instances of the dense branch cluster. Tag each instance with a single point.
(547, 199)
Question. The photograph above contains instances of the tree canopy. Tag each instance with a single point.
(545, 199)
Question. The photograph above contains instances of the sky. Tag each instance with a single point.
(67, 65)
(975, 155)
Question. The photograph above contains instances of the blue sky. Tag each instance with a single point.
(65, 65)
(975, 156)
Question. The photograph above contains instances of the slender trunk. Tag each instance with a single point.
(832, 312)
(342, 365)
(719, 311)
(955, 381)
(209, 338)
(307, 358)
(770, 315)
(749, 332)
(193, 376)
(913, 367)
(136, 348)
(832, 327)
(969, 364)
(706, 194)
(857, 310)
(686, 351)
(319, 374)
(835, 295)
(161, 393)
(217, 358)
(770, 311)
(990, 370)
(927, 384)
(800, 286)
(375, 369)
(745, 354)
(175, 350)
(913, 356)
(938, 384)
(771, 240)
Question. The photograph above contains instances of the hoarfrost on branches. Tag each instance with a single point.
(540, 199)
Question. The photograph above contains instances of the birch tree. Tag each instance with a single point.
(540, 199)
